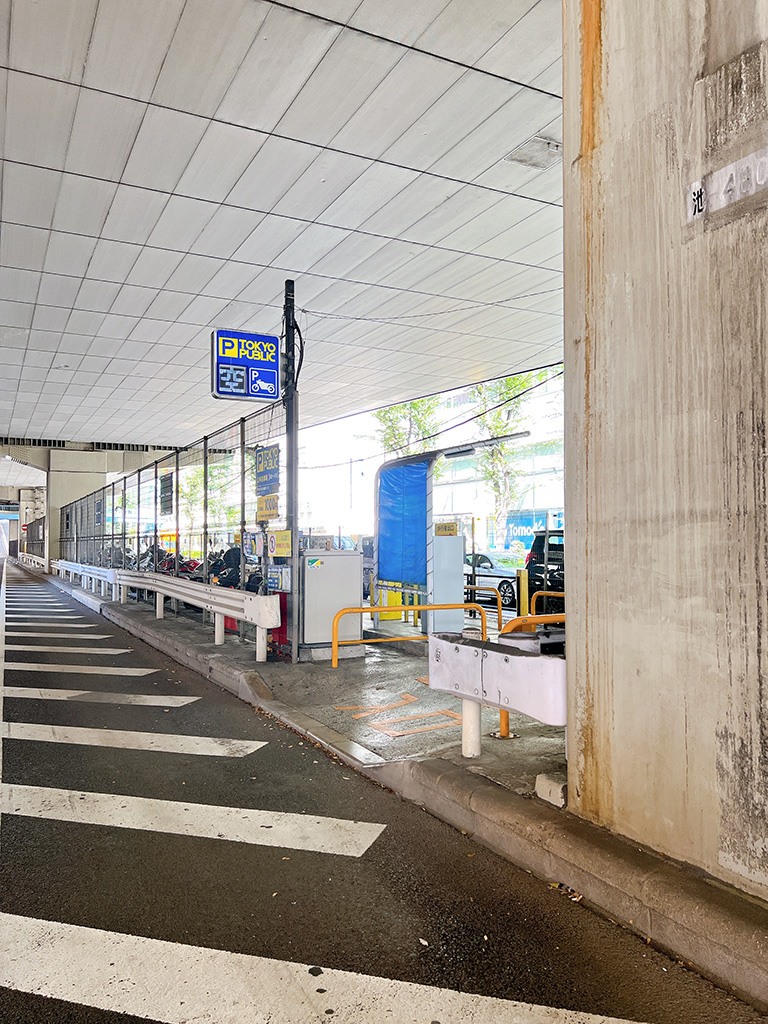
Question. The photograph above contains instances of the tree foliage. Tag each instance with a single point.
(499, 464)
(402, 427)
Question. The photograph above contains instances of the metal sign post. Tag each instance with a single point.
(292, 446)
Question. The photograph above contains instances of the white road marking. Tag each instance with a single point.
(167, 742)
(236, 824)
(319, 834)
(16, 617)
(58, 625)
(63, 636)
(99, 670)
(69, 650)
(99, 697)
(181, 984)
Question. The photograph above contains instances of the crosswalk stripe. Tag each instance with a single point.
(68, 650)
(61, 636)
(15, 617)
(317, 833)
(57, 624)
(212, 746)
(176, 983)
(99, 697)
(101, 670)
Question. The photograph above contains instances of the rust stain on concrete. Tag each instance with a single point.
(596, 790)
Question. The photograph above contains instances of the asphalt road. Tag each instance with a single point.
(261, 846)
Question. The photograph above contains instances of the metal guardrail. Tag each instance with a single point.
(336, 643)
(34, 560)
(493, 590)
(260, 610)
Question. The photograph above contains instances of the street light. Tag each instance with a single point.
(461, 450)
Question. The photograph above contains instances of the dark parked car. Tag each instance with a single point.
(490, 572)
(545, 563)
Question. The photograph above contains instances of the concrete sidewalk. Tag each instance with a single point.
(377, 714)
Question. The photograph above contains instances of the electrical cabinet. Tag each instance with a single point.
(330, 581)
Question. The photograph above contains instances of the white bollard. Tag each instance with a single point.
(218, 628)
(159, 605)
(471, 745)
(261, 644)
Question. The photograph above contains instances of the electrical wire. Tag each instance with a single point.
(443, 430)
(301, 352)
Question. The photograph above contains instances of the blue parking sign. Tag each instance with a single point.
(245, 366)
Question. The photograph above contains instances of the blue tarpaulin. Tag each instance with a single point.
(402, 525)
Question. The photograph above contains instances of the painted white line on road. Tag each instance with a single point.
(62, 636)
(98, 697)
(319, 834)
(58, 625)
(212, 746)
(69, 650)
(96, 670)
(15, 618)
(180, 984)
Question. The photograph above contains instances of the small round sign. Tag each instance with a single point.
(272, 544)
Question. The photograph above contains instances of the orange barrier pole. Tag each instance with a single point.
(396, 608)
(518, 625)
(493, 590)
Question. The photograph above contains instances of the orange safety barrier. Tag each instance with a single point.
(371, 610)
(494, 590)
(518, 625)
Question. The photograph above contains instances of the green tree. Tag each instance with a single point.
(499, 464)
(402, 427)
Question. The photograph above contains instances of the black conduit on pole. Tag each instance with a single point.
(292, 443)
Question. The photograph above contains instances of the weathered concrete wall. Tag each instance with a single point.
(666, 436)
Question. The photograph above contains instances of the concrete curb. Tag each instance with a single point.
(723, 933)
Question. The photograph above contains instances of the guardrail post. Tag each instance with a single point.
(218, 628)
(261, 644)
(114, 591)
(159, 605)
(123, 594)
(471, 718)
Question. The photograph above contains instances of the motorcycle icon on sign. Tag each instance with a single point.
(263, 382)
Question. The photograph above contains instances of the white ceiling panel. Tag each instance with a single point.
(68, 254)
(103, 133)
(401, 20)
(29, 194)
(18, 285)
(346, 76)
(530, 46)
(129, 44)
(323, 182)
(208, 46)
(224, 152)
(167, 132)
(266, 83)
(167, 165)
(467, 31)
(83, 204)
(39, 120)
(133, 214)
(409, 90)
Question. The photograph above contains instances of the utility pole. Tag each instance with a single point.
(292, 443)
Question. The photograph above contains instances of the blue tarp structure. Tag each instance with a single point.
(402, 525)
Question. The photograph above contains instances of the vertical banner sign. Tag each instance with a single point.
(268, 470)
(245, 366)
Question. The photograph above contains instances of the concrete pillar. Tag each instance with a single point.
(666, 346)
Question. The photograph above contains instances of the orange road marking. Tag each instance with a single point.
(423, 679)
(382, 726)
(370, 709)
